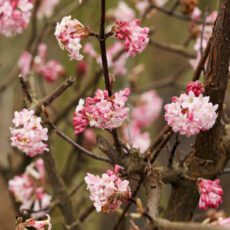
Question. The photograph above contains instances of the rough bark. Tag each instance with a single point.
(209, 155)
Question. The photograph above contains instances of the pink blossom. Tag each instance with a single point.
(28, 135)
(14, 16)
(135, 37)
(69, 33)
(148, 108)
(44, 224)
(190, 114)
(46, 8)
(196, 87)
(101, 111)
(28, 189)
(50, 70)
(109, 191)
(210, 193)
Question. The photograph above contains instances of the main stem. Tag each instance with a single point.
(105, 64)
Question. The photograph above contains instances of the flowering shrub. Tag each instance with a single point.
(115, 97)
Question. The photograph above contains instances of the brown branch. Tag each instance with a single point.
(105, 67)
(76, 145)
(202, 61)
(56, 93)
(174, 14)
(59, 188)
(162, 224)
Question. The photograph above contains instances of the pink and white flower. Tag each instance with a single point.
(28, 135)
(14, 16)
(211, 193)
(109, 191)
(28, 189)
(135, 37)
(190, 114)
(69, 33)
(101, 111)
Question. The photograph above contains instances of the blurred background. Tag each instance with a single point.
(156, 64)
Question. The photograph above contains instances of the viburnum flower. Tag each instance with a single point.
(196, 87)
(28, 135)
(41, 224)
(46, 8)
(14, 16)
(109, 191)
(101, 111)
(135, 37)
(28, 189)
(50, 70)
(190, 114)
(69, 33)
(147, 109)
(210, 193)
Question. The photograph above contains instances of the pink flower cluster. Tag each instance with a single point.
(135, 37)
(36, 224)
(46, 8)
(191, 113)
(50, 70)
(28, 134)
(109, 191)
(211, 193)
(117, 64)
(28, 189)
(69, 33)
(101, 111)
(147, 110)
(14, 16)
